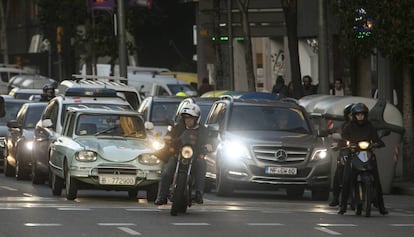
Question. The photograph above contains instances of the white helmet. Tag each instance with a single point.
(192, 110)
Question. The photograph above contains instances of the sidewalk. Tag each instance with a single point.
(404, 187)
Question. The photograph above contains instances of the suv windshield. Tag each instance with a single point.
(268, 118)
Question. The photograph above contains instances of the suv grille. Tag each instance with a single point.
(279, 154)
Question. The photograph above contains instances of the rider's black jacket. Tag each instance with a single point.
(355, 132)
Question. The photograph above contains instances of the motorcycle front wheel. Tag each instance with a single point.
(180, 197)
(367, 189)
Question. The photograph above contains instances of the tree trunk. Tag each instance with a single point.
(408, 146)
(248, 57)
(290, 13)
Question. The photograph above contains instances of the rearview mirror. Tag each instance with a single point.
(47, 123)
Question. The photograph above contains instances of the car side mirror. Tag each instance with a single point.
(47, 123)
(13, 124)
(148, 125)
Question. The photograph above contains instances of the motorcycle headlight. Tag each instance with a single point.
(148, 159)
(235, 150)
(320, 154)
(363, 145)
(187, 152)
(29, 145)
(85, 156)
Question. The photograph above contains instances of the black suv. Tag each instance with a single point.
(263, 143)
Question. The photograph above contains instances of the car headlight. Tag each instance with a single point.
(320, 154)
(148, 159)
(29, 145)
(85, 156)
(157, 144)
(363, 145)
(235, 150)
(187, 152)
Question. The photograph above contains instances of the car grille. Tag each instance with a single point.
(279, 154)
(117, 169)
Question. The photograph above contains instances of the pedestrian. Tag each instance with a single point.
(308, 87)
(338, 88)
(280, 88)
(204, 87)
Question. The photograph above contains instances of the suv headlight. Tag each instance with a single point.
(148, 159)
(235, 150)
(320, 154)
(85, 156)
(29, 145)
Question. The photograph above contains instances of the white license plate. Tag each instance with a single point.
(281, 170)
(117, 180)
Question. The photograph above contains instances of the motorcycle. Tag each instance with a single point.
(181, 188)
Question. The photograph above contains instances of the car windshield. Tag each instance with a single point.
(33, 115)
(205, 109)
(110, 124)
(268, 118)
(162, 112)
(11, 108)
(110, 106)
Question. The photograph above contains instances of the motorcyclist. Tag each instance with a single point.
(360, 129)
(337, 183)
(48, 92)
(190, 118)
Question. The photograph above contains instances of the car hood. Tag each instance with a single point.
(272, 137)
(119, 150)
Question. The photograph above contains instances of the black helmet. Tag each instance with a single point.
(347, 110)
(49, 90)
(359, 108)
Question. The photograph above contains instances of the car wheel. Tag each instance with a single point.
(223, 185)
(152, 192)
(8, 170)
(37, 178)
(71, 185)
(21, 171)
(56, 183)
(295, 193)
(320, 195)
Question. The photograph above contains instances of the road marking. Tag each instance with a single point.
(73, 209)
(8, 188)
(42, 224)
(265, 224)
(10, 208)
(327, 225)
(402, 225)
(115, 224)
(143, 209)
(328, 231)
(129, 231)
(190, 224)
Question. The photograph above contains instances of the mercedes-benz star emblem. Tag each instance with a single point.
(281, 155)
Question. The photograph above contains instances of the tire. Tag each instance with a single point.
(8, 170)
(152, 192)
(358, 199)
(223, 186)
(71, 185)
(320, 195)
(368, 187)
(180, 197)
(132, 194)
(295, 192)
(21, 172)
(37, 178)
(56, 184)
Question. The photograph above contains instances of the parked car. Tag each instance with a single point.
(19, 142)
(160, 110)
(12, 107)
(46, 133)
(103, 149)
(266, 144)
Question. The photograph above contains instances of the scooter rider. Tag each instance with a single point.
(339, 172)
(360, 129)
(190, 118)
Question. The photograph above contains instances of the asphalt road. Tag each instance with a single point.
(31, 210)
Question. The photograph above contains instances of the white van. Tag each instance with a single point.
(129, 93)
(152, 84)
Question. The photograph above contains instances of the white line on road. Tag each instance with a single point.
(10, 208)
(129, 231)
(191, 224)
(42, 224)
(328, 231)
(327, 225)
(73, 209)
(8, 188)
(115, 224)
(143, 209)
(265, 224)
(403, 225)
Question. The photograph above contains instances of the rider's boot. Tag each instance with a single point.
(342, 208)
(381, 207)
(199, 197)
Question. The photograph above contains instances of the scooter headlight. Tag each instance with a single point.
(187, 152)
(363, 145)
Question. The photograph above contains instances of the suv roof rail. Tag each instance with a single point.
(99, 78)
(290, 100)
(226, 97)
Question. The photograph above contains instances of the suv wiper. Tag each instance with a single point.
(105, 130)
